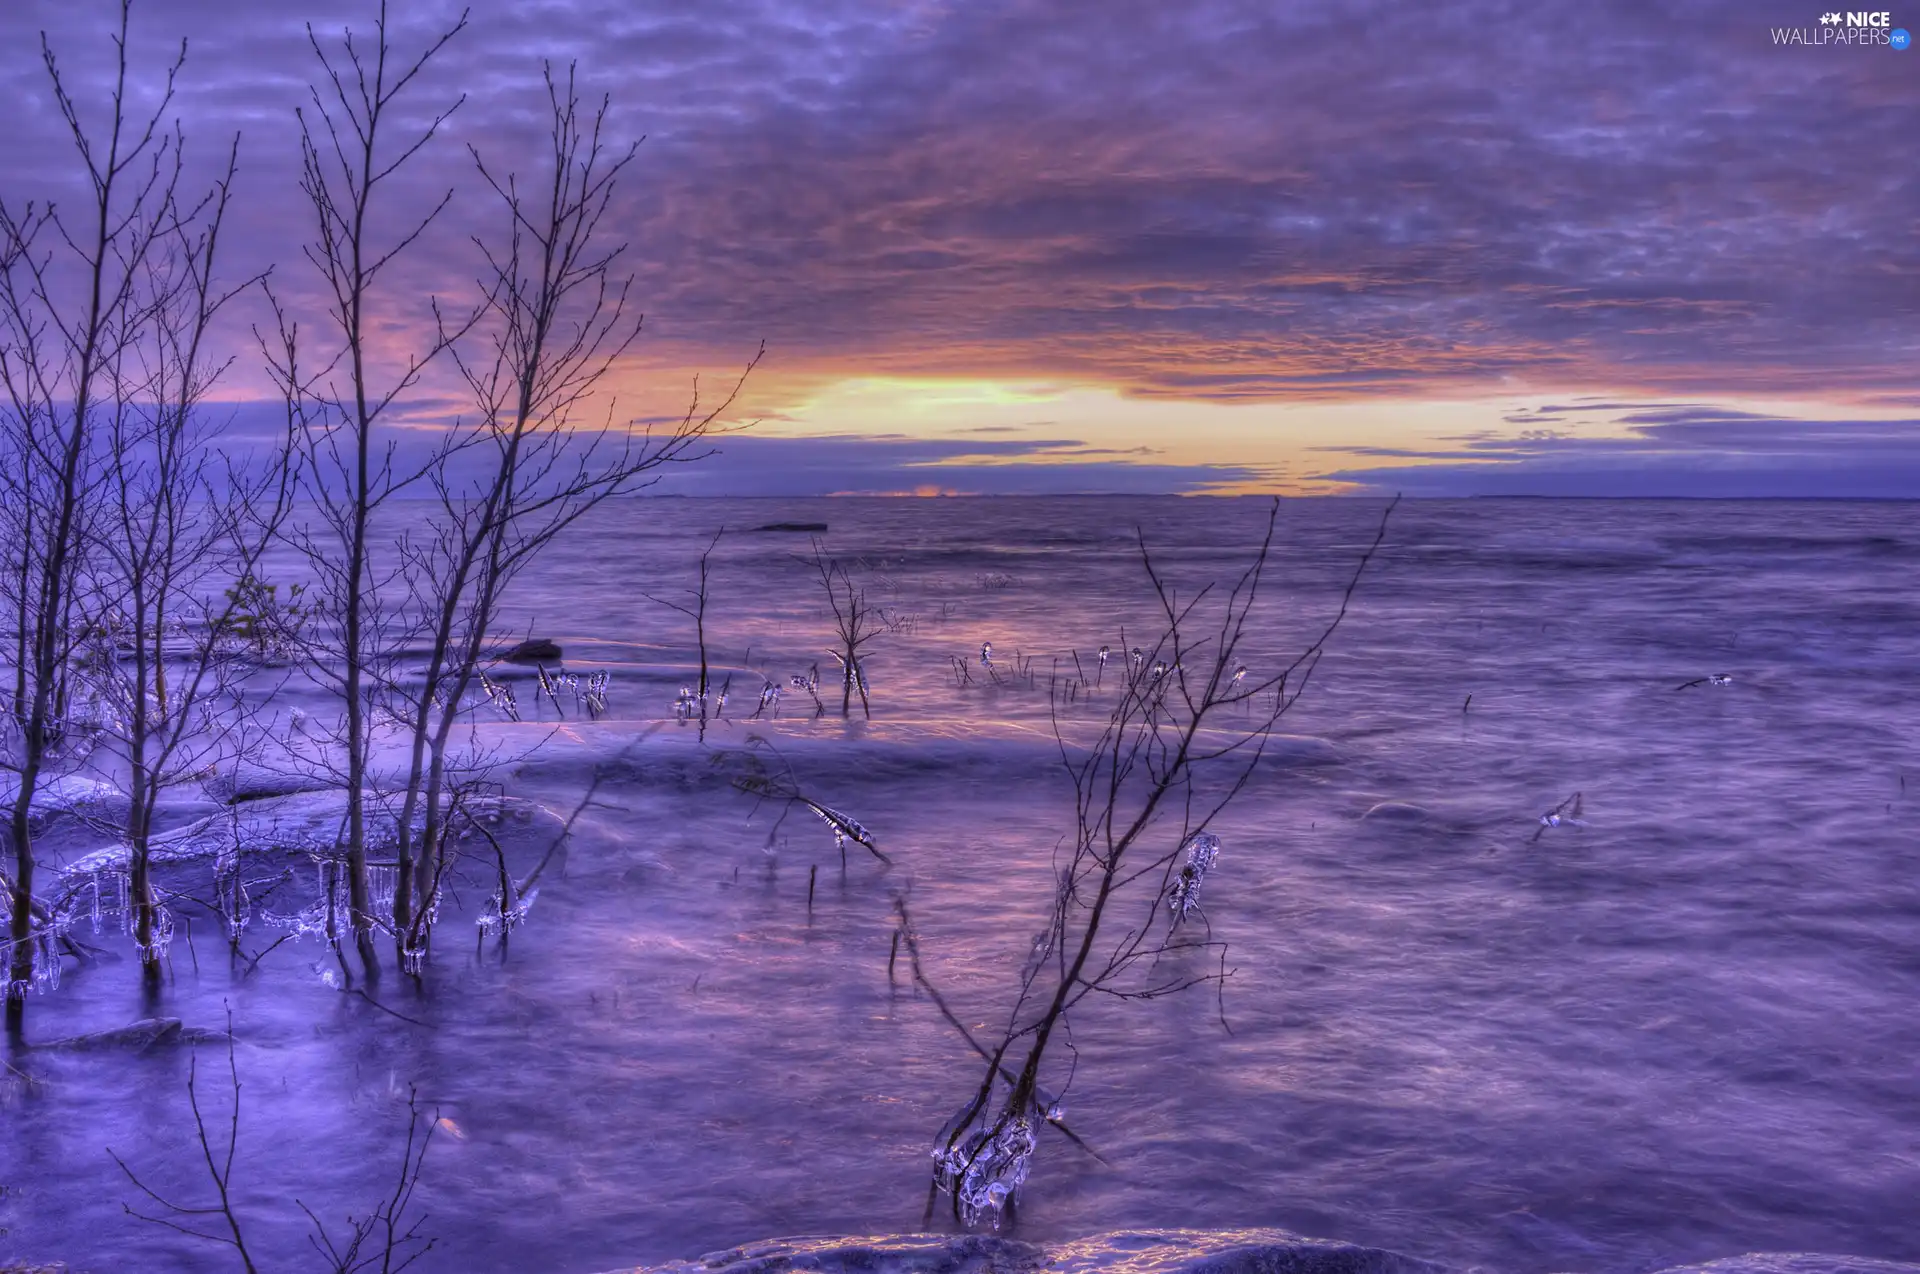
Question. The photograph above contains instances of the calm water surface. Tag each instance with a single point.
(1685, 1031)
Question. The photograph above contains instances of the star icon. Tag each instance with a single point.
(1829, 19)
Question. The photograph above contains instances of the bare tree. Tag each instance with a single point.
(349, 158)
(387, 1238)
(218, 1154)
(696, 610)
(554, 319)
(76, 300)
(181, 531)
(855, 625)
(1174, 751)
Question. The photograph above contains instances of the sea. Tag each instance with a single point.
(1679, 1024)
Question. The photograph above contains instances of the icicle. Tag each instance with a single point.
(499, 918)
(500, 695)
(1203, 850)
(983, 1169)
(594, 696)
(844, 828)
(162, 936)
(230, 891)
(382, 882)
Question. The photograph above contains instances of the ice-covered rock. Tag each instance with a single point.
(1405, 812)
(254, 782)
(1251, 1251)
(137, 1037)
(77, 794)
(1796, 1263)
(534, 650)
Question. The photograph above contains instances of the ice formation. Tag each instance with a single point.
(843, 827)
(46, 963)
(503, 919)
(1565, 814)
(984, 1168)
(230, 891)
(500, 695)
(1203, 850)
(593, 695)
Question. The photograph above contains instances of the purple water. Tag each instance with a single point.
(1684, 1031)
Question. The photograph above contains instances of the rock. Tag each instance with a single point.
(792, 526)
(1796, 1263)
(138, 1037)
(1297, 750)
(534, 650)
(1129, 1251)
(256, 782)
(1396, 812)
(1229, 1252)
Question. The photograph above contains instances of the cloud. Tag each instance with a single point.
(1218, 200)
(1692, 451)
(745, 465)
(752, 464)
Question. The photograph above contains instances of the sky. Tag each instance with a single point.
(1022, 246)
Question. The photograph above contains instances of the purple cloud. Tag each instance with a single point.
(1211, 201)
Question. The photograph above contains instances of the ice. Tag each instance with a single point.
(162, 936)
(1566, 814)
(984, 1168)
(844, 827)
(46, 962)
(593, 693)
(1203, 850)
(500, 695)
(230, 891)
(502, 919)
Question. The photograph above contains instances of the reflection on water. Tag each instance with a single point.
(1681, 1031)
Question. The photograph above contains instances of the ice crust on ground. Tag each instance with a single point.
(307, 822)
(1254, 1251)
(876, 752)
(1249, 1251)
